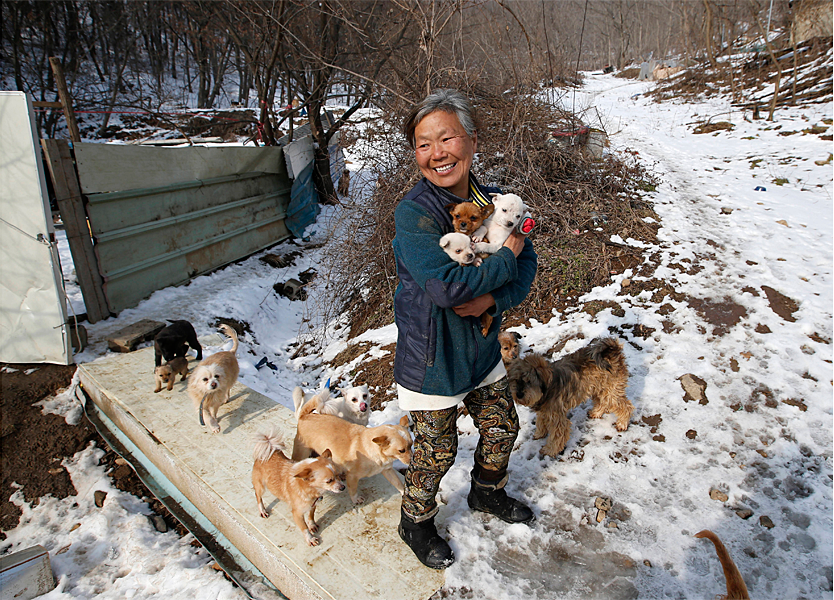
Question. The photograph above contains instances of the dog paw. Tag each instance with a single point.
(264, 514)
(312, 539)
(360, 499)
(595, 414)
(621, 426)
(156, 391)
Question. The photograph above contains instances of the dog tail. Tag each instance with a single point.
(266, 444)
(736, 588)
(311, 405)
(232, 334)
(297, 400)
(603, 351)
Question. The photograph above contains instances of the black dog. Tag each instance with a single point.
(174, 340)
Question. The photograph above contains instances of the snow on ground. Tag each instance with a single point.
(762, 437)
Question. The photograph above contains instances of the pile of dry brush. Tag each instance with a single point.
(578, 203)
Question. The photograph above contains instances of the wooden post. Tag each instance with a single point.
(71, 205)
(66, 99)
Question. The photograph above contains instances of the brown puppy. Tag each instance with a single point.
(736, 588)
(359, 451)
(299, 484)
(468, 218)
(212, 380)
(509, 346)
(168, 372)
(553, 389)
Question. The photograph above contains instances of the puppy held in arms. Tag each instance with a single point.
(553, 389)
(211, 382)
(299, 484)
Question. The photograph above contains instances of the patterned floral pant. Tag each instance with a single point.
(436, 444)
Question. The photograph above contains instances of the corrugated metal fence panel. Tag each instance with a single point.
(164, 233)
(111, 167)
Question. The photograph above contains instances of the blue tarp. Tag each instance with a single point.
(304, 202)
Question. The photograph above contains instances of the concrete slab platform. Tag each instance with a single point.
(361, 555)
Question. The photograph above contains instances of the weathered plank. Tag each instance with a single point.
(127, 338)
(71, 205)
(66, 99)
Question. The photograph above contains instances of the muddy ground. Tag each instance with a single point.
(33, 444)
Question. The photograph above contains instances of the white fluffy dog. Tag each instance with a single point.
(353, 405)
(509, 210)
(211, 381)
(460, 249)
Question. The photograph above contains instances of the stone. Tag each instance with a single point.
(717, 494)
(159, 524)
(744, 513)
(766, 521)
(603, 503)
(694, 388)
(99, 497)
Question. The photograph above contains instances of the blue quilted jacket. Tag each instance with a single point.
(439, 352)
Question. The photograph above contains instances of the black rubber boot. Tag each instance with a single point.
(431, 549)
(488, 495)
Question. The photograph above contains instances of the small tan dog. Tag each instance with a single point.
(358, 451)
(510, 347)
(211, 381)
(736, 588)
(553, 389)
(468, 218)
(299, 484)
(167, 373)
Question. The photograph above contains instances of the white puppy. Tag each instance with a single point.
(509, 210)
(353, 405)
(460, 249)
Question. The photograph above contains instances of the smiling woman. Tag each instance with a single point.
(442, 357)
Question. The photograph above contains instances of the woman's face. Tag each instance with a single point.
(445, 151)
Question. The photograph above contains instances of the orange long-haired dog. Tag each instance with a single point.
(736, 588)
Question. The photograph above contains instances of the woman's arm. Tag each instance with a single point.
(417, 247)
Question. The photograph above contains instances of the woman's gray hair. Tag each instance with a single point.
(450, 101)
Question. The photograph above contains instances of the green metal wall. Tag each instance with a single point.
(172, 227)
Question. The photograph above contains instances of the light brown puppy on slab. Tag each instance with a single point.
(299, 484)
(358, 451)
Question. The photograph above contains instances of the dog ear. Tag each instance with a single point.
(304, 473)
(327, 454)
(382, 441)
(516, 335)
(542, 369)
(450, 208)
(487, 210)
(404, 421)
(445, 241)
